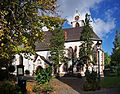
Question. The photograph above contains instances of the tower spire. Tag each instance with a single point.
(76, 19)
(76, 11)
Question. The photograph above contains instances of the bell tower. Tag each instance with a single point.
(76, 20)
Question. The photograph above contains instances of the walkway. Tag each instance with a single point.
(73, 85)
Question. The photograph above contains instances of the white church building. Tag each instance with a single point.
(72, 40)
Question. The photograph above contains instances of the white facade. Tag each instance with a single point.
(31, 66)
(77, 19)
(77, 22)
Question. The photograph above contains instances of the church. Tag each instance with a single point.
(72, 41)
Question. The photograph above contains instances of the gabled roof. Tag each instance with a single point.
(74, 34)
(71, 35)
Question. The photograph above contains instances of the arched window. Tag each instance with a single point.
(77, 25)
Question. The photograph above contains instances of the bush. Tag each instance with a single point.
(7, 87)
(79, 75)
(118, 71)
(90, 86)
(106, 72)
(27, 72)
(3, 75)
(44, 75)
(38, 69)
(44, 89)
(11, 68)
(91, 82)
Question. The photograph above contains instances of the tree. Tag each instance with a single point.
(85, 54)
(21, 23)
(57, 48)
(86, 46)
(107, 60)
(116, 52)
(115, 57)
(116, 42)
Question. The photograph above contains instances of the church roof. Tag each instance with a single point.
(71, 35)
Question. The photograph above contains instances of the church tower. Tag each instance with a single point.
(77, 22)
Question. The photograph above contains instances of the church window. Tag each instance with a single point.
(77, 25)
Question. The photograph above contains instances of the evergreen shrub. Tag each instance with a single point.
(44, 75)
(27, 72)
(7, 87)
(91, 82)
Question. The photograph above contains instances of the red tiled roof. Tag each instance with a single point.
(71, 34)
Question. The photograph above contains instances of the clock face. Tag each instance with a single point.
(76, 18)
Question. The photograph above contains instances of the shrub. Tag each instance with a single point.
(38, 69)
(90, 86)
(44, 75)
(118, 71)
(44, 89)
(79, 75)
(27, 72)
(7, 87)
(91, 82)
(106, 72)
(3, 75)
(11, 68)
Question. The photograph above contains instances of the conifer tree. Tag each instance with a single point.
(86, 46)
(85, 54)
(57, 48)
(115, 57)
(116, 42)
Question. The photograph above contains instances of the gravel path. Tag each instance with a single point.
(72, 85)
(62, 88)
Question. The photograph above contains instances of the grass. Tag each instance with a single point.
(110, 82)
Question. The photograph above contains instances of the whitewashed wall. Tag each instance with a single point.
(31, 66)
(73, 44)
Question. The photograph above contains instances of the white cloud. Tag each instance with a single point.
(102, 28)
(68, 7)
(110, 12)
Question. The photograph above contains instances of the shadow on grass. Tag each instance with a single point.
(77, 83)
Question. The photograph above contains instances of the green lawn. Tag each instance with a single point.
(108, 82)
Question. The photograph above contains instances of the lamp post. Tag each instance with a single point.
(20, 76)
(98, 49)
(20, 70)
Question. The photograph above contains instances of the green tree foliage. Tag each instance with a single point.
(85, 48)
(115, 57)
(85, 54)
(44, 75)
(7, 87)
(107, 60)
(21, 23)
(116, 42)
(91, 83)
(57, 46)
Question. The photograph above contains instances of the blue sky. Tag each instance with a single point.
(105, 15)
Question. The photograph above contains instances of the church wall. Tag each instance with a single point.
(76, 22)
(30, 65)
(73, 44)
